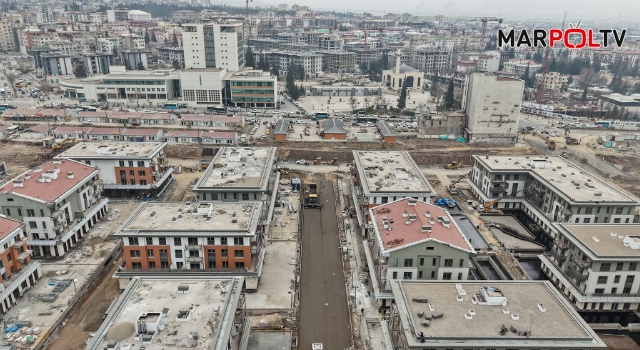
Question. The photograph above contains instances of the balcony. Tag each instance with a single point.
(195, 259)
(194, 246)
(561, 244)
(164, 257)
(559, 256)
(573, 272)
(582, 264)
(20, 243)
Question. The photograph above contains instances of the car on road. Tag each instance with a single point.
(301, 161)
(263, 136)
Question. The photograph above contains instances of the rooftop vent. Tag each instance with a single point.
(596, 239)
(405, 214)
(426, 229)
(153, 214)
(427, 213)
(70, 174)
(412, 201)
(542, 309)
(183, 288)
(173, 219)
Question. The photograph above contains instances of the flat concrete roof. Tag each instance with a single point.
(213, 302)
(607, 244)
(389, 172)
(113, 150)
(188, 218)
(560, 174)
(236, 168)
(556, 325)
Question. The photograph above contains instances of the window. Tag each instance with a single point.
(150, 253)
(599, 291)
(131, 163)
(633, 266)
(33, 224)
(238, 253)
(152, 264)
(619, 210)
(616, 279)
(131, 173)
(577, 220)
(619, 266)
(629, 279)
(133, 181)
(136, 266)
(121, 164)
(461, 263)
(587, 220)
(459, 276)
(605, 267)
(211, 240)
(225, 264)
(177, 241)
(448, 262)
(162, 241)
(141, 163)
(133, 240)
(8, 212)
(603, 279)
(224, 253)
(44, 225)
(446, 276)
(434, 262)
(178, 253)
(616, 220)
(240, 265)
(408, 262)
(407, 275)
(421, 262)
(164, 264)
(179, 265)
(31, 212)
(394, 275)
(433, 274)
(142, 173)
(41, 212)
(238, 240)
(143, 182)
(588, 210)
(149, 240)
(430, 248)
(134, 253)
(245, 196)
(223, 241)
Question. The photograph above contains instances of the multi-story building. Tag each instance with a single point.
(184, 16)
(56, 63)
(251, 88)
(213, 45)
(548, 190)
(237, 174)
(98, 63)
(171, 54)
(497, 315)
(107, 45)
(330, 42)
(17, 271)
(137, 15)
(7, 39)
(135, 57)
(126, 170)
(431, 59)
(489, 62)
(519, 67)
(492, 105)
(596, 267)
(311, 62)
(198, 237)
(413, 240)
(59, 202)
(338, 61)
(381, 177)
(553, 81)
(131, 41)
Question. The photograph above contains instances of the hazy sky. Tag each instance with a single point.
(577, 9)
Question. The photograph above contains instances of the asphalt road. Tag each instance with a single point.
(324, 316)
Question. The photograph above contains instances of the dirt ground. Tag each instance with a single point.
(87, 316)
(20, 156)
(618, 342)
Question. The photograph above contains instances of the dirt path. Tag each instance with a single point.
(181, 185)
(87, 316)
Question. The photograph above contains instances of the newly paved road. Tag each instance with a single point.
(324, 316)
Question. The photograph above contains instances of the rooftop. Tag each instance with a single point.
(238, 167)
(390, 172)
(7, 226)
(113, 149)
(106, 131)
(141, 132)
(604, 240)
(413, 221)
(568, 179)
(474, 314)
(187, 217)
(282, 126)
(71, 129)
(171, 312)
(384, 129)
(333, 126)
(48, 182)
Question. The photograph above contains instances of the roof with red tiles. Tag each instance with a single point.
(141, 132)
(125, 115)
(21, 111)
(71, 130)
(223, 118)
(197, 117)
(52, 112)
(39, 128)
(7, 226)
(106, 131)
(187, 133)
(219, 134)
(156, 116)
(403, 234)
(49, 191)
(93, 114)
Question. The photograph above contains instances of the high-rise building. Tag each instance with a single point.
(213, 45)
(7, 41)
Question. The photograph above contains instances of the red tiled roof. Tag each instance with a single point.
(71, 130)
(403, 234)
(21, 111)
(39, 128)
(141, 132)
(93, 114)
(156, 116)
(187, 133)
(7, 226)
(222, 118)
(106, 131)
(125, 115)
(197, 117)
(219, 134)
(49, 191)
(52, 112)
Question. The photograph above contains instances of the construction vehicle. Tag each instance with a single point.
(454, 165)
(317, 161)
(486, 208)
(452, 187)
(311, 196)
(64, 143)
(283, 170)
(552, 145)
(572, 140)
(334, 161)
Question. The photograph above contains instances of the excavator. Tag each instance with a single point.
(334, 161)
(64, 143)
(486, 208)
(454, 165)
(452, 187)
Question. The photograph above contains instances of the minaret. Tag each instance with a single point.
(398, 61)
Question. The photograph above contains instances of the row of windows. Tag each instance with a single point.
(142, 89)
(224, 195)
(251, 83)
(177, 241)
(130, 163)
(252, 99)
(211, 255)
(605, 267)
(434, 262)
(409, 275)
(192, 266)
(252, 91)
(133, 82)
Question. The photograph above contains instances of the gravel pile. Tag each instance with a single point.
(120, 331)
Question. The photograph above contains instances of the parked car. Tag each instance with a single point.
(301, 161)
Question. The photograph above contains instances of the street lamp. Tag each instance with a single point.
(75, 290)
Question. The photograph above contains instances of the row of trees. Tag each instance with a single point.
(375, 67)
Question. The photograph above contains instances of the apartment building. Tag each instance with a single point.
(381, 177)
(56, 63)
(431, 59)
(311, 62)
(338, 61)
(553, 81)
(414, 240)
(496, 315)
(251, 88)
(548, 190)
(492, 105)
(7, 40)
(595, 266)
(200, 237)
(126, 169)
(213, 45)
(170, 54)
(489, 62)
(59, 202)
(519, 67)
(98, 63)
(238, 174)
(17, 271)
(107, 45)
(330, 42)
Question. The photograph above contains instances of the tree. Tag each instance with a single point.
(526, 77)
(106, 33)
(596, 65)
(292, 89)
(527, 57)
(127, 64)
(302, 91)
(537, 57)
(264, 63)
(176, 65)
(353, 103)
(147, 38)
(586, 76)
(81, 71)
(140, 66)
(584, 92)
(175, 40)
(402, 99)
(153, 37)
(115, 51)
(512, 53)
(11, 78)
(449, 100)
(249, 59)
(434, 89)
(274, 71)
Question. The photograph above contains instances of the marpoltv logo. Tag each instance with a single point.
(587, 38)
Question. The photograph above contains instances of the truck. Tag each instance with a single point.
(243, 138)
(552, 145)
(572, 141)
(311, 196)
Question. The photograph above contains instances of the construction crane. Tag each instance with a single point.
(248, 26)
(545, 67)
(452, 187)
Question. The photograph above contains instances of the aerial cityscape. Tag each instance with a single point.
(319, 176)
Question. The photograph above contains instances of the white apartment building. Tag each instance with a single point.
(595, 266)
(489, 62)
(107, 44)
(492, 105)
(213, 45)
(519, 67)
(431, 59)
(311, 62)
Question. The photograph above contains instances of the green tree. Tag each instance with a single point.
(140, 66)
(175, 40)
(127, 64)
(527, 57)
(302, 91)
(106, 33)
(81, 71)
(596, 65)
(537, 57)
(584, 92)
(526, 77)
(249, 59)
(153, 37)
(147, 38)
(434, 89)
(274, 71)
(176, 65)
(512, 53)
(449, 100)
(402, 99)
(291, 87)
